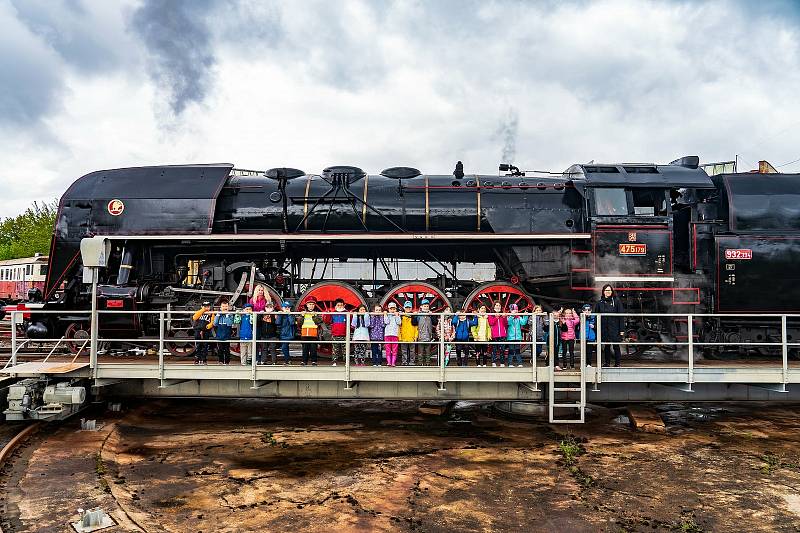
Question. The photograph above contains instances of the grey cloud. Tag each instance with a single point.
(180, 51)
(84, 38)
(30, 75)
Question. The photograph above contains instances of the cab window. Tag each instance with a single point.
(610, 202)
(649, 202)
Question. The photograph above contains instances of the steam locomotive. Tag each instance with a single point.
(668, 237)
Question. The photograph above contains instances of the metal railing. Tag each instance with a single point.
(167, 322)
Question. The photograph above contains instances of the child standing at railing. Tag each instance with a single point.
(408, 335)
(246, 334)
(392, 321)
(270, 330)
(499, 327)
(426, 331)
(202, 322)
(360, 322)
(515, 322)
(376, 328)
(566, 325)
(461, 330)
(287, 330)
(482, 333)
(223, 323)
(310, 323)
(447, 333)
(338, 323)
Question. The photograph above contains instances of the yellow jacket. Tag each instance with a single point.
(408, 331)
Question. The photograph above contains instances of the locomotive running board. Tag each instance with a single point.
(352, 237)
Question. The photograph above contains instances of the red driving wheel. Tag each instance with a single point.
(78, 336)
(498, 291)
(326, 293)
(415, 292)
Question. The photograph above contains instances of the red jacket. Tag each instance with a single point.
(338, 324)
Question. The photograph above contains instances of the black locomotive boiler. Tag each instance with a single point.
(668, 237)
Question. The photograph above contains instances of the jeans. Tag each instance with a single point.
(201, 348)
(462, 348)
(568, 345)
(376, 354)
(285, 349)
(514, 353)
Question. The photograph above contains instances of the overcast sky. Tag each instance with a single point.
(93, 84)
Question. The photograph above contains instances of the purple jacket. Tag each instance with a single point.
(376, 326)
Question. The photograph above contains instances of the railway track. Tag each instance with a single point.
(12, 437)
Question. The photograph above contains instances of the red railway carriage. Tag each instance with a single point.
(18, 276)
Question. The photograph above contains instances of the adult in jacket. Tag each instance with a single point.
(612, 328)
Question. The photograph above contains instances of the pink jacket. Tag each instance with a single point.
(571, 323)
(499, 326)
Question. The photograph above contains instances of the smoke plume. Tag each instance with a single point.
(507, 132)
(178, 41)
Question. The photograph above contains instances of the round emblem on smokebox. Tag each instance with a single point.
(116, 207)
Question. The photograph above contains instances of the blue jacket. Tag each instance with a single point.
(246, 328)
(515, 323)
(287, 329)
(591, 327)
(461, 327)
(224, 325)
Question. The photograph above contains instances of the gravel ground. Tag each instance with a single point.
(248, 465)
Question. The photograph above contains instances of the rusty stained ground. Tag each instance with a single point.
(247, 465)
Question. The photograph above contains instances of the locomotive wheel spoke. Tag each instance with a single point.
(415, 292)
(498, 291)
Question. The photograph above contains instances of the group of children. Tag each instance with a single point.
(406, 335)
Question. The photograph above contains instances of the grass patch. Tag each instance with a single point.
(771, 463)
(269, 438)
(570, 449)
(687, 525)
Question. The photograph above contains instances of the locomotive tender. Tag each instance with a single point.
(668, 237)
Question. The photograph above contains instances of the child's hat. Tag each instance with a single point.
(587, 306)
(286, 303)
(248, 304)
(206, 303)
(408, 305)
(311, 299)
(392, 304)
(425, 302)
(513, 307)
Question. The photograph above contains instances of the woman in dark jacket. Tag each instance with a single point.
(612, 328)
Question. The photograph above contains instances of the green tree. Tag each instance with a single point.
(28, 233)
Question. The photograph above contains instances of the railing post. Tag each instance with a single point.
(583, 342)
(14, 337)
(93, 327)
(346, 351)
(784, 350)
(253, 358)
(534, 335)
(253, 326)
(161, 345)
(440, 330)
(598, 377)
(551, 344)
(690, 333)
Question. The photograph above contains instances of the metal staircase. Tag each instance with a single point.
(564, 383)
